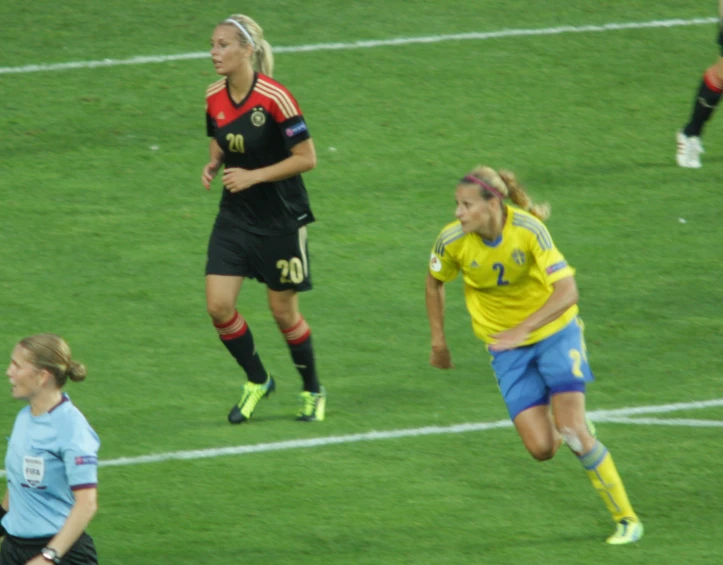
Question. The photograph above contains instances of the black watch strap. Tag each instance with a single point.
(50, 555)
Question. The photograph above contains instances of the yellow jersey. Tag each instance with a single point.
(505, 280)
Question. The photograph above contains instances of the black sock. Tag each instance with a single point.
(705, 103)
(238, 339)
(298, 338)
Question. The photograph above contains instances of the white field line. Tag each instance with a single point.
(615, 416)
(478, 36)
(663, 422)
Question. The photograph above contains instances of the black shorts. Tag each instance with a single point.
(18, 551)
(281, 262)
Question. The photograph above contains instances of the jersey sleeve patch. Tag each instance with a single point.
(556, 267)
(296, 129)
(86, 460)
(434, 263)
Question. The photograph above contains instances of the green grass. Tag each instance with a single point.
(104, 242)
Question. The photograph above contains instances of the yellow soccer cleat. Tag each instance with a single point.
(313, 406)
(628, 531)
(252, 393)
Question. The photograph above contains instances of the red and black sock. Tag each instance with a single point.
(709, 95)
(298, 339)
(236, 336)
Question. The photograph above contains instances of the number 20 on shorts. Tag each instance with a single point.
(292, 271)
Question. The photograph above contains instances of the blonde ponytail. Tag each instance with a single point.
(520, 198)
(264, 58)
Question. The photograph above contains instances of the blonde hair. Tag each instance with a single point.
(504, 185)
(263, 58)
(52, 353)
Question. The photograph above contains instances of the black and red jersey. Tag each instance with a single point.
(258, 132)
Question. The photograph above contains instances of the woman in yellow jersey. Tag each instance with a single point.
(522, 297)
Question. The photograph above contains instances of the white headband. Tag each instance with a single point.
(247, 35)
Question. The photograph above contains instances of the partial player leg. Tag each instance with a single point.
(569, 413)
(527, 399)
(221, 294)
(284, 307)
(538, 433)
(706, 101)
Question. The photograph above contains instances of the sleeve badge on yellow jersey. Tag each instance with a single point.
(434, 263)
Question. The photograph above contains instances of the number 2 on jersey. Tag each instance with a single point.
(501, 277)
(235, 143)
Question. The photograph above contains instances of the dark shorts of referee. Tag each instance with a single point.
(18, 551)
(281, 262)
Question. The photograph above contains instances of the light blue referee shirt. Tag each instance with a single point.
(48, 457)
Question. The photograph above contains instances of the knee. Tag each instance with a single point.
(718, 68)
(542, 450)
(220, 311)
(284, 316)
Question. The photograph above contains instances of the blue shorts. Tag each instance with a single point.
(528, 375)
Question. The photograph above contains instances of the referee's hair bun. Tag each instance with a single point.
(76, 371)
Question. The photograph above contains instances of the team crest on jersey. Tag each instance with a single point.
(33, 470)
(258, 118)
(518, 256)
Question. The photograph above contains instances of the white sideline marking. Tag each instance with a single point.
(662, 409)
(142, 60)
(612, 416)
(661, 422)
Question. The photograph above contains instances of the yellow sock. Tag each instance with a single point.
(605, 479)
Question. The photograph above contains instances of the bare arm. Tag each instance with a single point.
(215, 152)
(441, 357)
(564, 295)
(86, 504)
(301, 160)
(214, 164)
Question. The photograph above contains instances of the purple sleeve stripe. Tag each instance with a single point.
(81, 487)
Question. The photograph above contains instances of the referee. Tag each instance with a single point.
(260, 137)
(51, 462)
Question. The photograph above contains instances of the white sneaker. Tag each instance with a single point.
(689, 150)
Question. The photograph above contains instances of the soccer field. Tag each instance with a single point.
(104, 228)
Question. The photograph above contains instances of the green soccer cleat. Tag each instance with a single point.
(628, 531)
(313, 406)
(250, 397)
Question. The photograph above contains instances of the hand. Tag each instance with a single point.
(509, 339)
(237, 179)
(209, 173)
(441, 358)
(37, 560)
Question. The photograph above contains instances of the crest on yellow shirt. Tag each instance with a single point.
(518, 256)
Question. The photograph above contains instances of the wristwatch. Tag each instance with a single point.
(49, 554)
